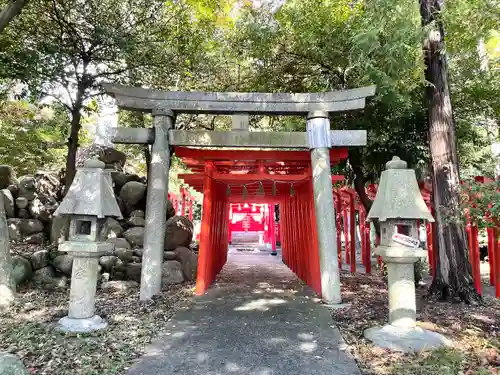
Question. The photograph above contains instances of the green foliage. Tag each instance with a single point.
(31, 137)
(481, 202)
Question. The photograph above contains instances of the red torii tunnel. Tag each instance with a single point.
(272, 177)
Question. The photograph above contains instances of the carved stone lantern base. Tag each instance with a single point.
(407, 340)
(94, 323)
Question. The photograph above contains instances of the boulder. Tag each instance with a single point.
(135, 221)
(138, 252)
(108, 262)
(64, 263)
(21, 269)
(7, 176)
(45, 277)
(48, 184)
(14, 189)
(119, 243)
(41, 211)
(35, 239)
(39, 259)
(11, 365)
(119, 285)
(59, 229)
(138, 213)
(135, 236)
(171, 273)
(132, 271)
(27, 187)
(23, 214)
(25, 226)
(124, 254)
(132, 192)
(114, 157)
(112, 228)
(21, 202)
(170, 210)
(179, 232)
(8, 202)
(189, 262)
(136, 259)
(169, 255)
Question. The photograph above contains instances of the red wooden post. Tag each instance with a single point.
(183, 197)
(362, 224)
(345, 218)
(203, 276)
(352, 232)
(476, 264)
(491, 254)
(368, 251)
(338, 221)
(190, 208)
(273, 229)
(496, 243)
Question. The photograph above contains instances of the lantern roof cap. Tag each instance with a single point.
(398, 195)
(91, 193)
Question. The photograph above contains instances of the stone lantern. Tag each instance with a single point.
(89, 201)
(398, 206)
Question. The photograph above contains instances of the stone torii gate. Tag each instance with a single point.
(164, 106)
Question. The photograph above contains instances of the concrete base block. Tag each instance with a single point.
(407, 340)
(68, 324)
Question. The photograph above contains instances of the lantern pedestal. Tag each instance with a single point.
(402, 333)
(81, 316)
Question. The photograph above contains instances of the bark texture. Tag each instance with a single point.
(454, 272)
(10, 12)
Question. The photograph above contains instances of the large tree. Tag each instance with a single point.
(11, 10)
(66, 49)
(454, 272)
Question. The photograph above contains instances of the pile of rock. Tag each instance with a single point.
(30, 202)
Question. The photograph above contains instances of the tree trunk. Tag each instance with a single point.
(10, 12)
(72, 146)
(7, 284)
(454, 272)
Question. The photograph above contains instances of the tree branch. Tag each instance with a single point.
(10, 12)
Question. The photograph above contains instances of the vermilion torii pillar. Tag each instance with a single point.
(319, 138)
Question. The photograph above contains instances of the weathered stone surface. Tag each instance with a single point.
(7, 176)
(171, 273)
(135, 236)
(108, 262)
(11, 365)
(124, 254)
(8, 201)
(113, 156)
(169, 255)
(59, 229)
(23, 214)
(45, 276)
(14, 189)
(136, 221)
(119, 285)
(21, 202)
(120, 243)
(137, 213)
(27, 187)
(138, 252)
(189, 262)
(136, 259)
(35, 239)
(132, 192)
(132, 271)
(42, 209)
(48, 184)
(112, 228)
(179, 232)
(25, 226)
(39, 259)
(21, 269)
(64, 263)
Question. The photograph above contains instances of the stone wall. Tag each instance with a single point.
(32, 200)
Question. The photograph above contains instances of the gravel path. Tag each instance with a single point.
(258, 319)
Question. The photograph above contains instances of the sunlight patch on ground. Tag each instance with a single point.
(260, 304)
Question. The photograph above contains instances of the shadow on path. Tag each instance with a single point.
(257, 319)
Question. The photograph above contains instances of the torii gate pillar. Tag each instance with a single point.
(318, 133)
